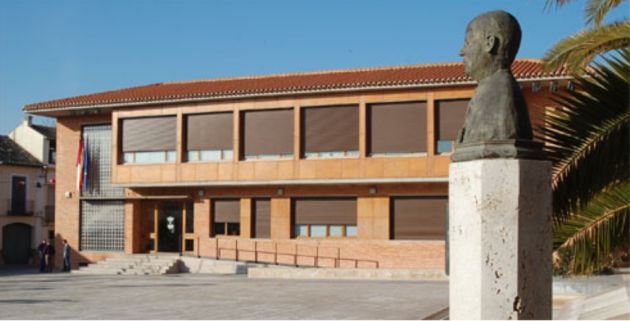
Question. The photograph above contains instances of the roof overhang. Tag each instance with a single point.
(105, 108)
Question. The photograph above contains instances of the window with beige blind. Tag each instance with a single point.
(397, 128)
(226, 217)
(267, 134)
(209, 137)
(324, 217)
(449, 119)
(149, 139)
(261, 212)
(418, 218)
(330, 131)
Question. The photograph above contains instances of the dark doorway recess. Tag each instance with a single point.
(16, 243)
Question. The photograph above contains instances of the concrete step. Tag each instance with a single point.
(133, 265)
(212, 266)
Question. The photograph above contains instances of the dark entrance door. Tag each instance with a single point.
(170, 227)
(16, 243)
(18, 195)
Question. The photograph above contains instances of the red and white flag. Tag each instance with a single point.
(80, 166)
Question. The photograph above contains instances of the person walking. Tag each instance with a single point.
(41, 250)
(66, 256)
(50, 257)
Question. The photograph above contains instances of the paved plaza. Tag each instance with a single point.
(199, 296)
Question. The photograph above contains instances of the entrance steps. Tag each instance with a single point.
(213, 266)
(134, 265)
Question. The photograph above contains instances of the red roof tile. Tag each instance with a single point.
(295, 83)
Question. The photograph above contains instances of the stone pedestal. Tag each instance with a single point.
(500, 239)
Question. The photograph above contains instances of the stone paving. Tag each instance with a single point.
(201, 296)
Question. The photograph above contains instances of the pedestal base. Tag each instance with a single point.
(500, 239)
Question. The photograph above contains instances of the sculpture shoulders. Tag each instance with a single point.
(492, 113)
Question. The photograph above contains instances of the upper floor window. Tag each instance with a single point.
(449, 118)
(52, 154)
(149, 139)
(209, 137)
(397, 128)
(267, 134)
(325, 217)
(331, 131)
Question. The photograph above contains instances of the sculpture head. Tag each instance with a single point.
(491, 43)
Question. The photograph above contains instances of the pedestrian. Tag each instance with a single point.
(50, 257)
(41, 250)
(66, 256)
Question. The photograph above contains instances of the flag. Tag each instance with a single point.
(80, 165)
(86, 166)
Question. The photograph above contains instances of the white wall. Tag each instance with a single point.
(31, 140)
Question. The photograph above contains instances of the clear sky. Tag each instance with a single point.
(57, 49)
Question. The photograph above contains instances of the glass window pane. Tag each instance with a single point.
(193, 155)
(301, 230)
(102, 226)
(128, 158)
(219, 228)
(149, 157)
(210, 155)
(190, 217)
(189, 245)
(234, 229)
(318, 230)
(351, 230)
(444, 146)
(170, 156)
(228, 154)
(336, 230)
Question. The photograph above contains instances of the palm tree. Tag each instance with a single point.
(588, 142)
(577, 51)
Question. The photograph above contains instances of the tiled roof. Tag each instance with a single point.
(295, 83)
(13, 154)
(48, 132)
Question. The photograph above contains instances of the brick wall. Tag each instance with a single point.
(67, 208)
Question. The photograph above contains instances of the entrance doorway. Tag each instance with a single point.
(16, 243)
(171, 226)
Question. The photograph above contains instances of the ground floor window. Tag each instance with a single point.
(325, 230)
(226, 217)
(102, 226)
(261, 211)
(418, 218)
(324, 217)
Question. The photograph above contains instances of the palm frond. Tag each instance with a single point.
(577, 51)
(588, 240)
(596, 10)
(587, 139)
(556, 3)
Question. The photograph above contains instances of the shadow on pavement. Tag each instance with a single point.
(10, 269)
(27, 301)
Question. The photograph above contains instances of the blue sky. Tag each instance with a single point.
(57, 49)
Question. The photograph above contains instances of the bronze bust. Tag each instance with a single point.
(497, 122)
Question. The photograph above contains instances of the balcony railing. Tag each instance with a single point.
(50, 213)
(24, 210)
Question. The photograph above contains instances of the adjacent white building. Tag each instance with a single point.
(27, 191)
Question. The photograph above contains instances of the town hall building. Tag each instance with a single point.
(343, 168)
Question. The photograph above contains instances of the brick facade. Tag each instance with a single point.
(377, 180)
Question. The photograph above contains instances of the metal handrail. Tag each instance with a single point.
(336, 259)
